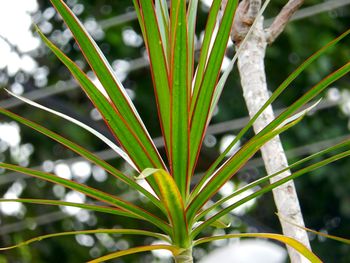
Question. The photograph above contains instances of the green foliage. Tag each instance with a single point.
(184, 93)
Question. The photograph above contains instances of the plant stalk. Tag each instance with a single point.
(185, 256)
(253, 79)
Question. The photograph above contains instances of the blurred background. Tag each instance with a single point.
(28, 68)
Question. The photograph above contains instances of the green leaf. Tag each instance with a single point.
(312, 93)
(135, 250)
(200, 107)
(95, 231)
(94, 193)
(180, 92)
(191, 25)
(103, 138)
(162, 14)
(158, 66)
(114, 88)
(205, 49)
(223, 78)
(268, 177)
(96, 208)
(86, 154)
(273, 97)
(266, 189)
(283, 239)
(171, 198)
(228, 169)
(340, 239)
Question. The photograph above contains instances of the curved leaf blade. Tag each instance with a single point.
(96, 208)
(84, 153)
(95, 231)
(230, 167)
(171, 198)
(283, 239)
(135, 250)
(110, 82)
(94, 193)
(266, 189)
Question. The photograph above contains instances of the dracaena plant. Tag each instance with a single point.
(186, 92)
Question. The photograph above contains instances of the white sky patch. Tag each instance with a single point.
(15, 23)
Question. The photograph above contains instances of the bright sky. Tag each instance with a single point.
(15, 23)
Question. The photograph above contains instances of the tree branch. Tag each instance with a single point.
(282, 19)
(253, 79)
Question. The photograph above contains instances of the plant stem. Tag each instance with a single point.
(185, 256)
(253, 80)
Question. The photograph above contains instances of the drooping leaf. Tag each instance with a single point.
(340, 239)
(87, 232)
(265, 179)
(266, 189)
(103, 138)
(94, 193)
(135, 250)
(283, 239)
(84, 153)
(96, 208)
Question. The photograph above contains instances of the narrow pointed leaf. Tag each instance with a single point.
(268, 177)
(96, 208)
(220, 86)
(84, 153)
(200, 107)
(89, 232)
(103, 138)
(283, 239)
(267, 189)
(205, 49)
(231, 167)
(340, 239)
(94, 193)
(135, 250)
(171, 198)
(162, 14)
(191, 22)
(158, 66)
(110, 82)
(180, 99)
(312, 93)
